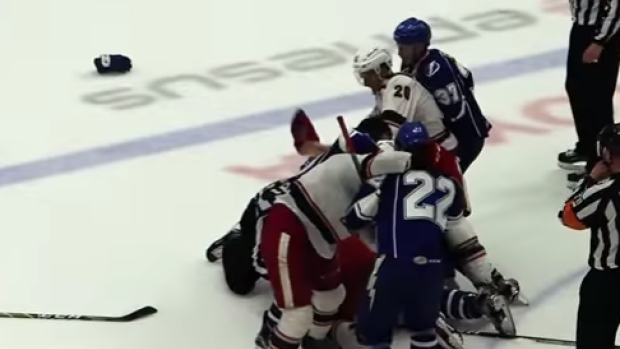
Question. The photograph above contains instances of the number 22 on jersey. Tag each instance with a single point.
(431, 198)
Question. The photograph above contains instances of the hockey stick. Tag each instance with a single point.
(135, 315)
(544, 340)
(349, 142)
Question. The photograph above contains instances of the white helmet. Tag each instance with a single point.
(371, 60)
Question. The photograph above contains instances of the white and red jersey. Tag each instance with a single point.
(320, 196)
(405, 96)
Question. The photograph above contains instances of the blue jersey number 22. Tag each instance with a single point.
(417, 204)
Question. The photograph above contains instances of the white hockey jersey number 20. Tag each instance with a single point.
(407, 97)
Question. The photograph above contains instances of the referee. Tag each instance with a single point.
(596, 205)
(591, 76)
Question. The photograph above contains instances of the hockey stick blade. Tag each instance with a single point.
(138, 314)
(544, 340)
(135, 315)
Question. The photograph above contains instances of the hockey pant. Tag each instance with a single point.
(294, 268)
(399, 287)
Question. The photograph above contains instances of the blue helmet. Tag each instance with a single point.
(412, 31)
(410, 135)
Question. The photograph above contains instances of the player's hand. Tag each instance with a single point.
(600, 171)
(592, 53)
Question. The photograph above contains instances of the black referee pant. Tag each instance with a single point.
(598, 316)
(590, 89)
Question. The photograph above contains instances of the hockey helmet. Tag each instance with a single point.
(609, 139)
(412, 31)
(411, 135)
(373, 59)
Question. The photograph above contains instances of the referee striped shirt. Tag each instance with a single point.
(596, 207)
(603, 15)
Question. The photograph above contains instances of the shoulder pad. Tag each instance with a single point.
(401, 79)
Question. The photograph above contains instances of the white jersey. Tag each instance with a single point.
(321, 196)
(407, 97)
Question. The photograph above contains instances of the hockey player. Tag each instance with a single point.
(400, 97)
(411, 211)
(298, 243)
(365, 137)
(450, 83)
(468, 254)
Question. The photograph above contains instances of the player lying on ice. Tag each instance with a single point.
(243, 266)
(412, 215)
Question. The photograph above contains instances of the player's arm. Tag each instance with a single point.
(442, 79)
(580, 210)
(382, 163)
(364, 209)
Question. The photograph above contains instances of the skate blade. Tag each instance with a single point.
(577, 166)
(507, 326)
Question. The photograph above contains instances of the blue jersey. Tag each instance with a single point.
(410, 212)
(452, 86)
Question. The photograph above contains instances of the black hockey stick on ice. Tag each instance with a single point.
(135, 315)
(544, 340)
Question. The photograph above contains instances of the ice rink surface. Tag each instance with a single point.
(112, 187)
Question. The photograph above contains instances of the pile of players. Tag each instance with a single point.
(366, 237)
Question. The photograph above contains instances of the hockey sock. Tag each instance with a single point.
(274, 313)
(293, 326)
(460, 305)
(325, 305)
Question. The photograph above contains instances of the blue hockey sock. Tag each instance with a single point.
(460, 305)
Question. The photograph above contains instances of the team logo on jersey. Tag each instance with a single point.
(432, 69)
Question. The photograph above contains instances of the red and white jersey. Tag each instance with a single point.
(405, 96)
(321, 196)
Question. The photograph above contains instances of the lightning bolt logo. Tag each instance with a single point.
(372, 280)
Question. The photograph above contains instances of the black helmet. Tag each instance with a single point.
(609, 138)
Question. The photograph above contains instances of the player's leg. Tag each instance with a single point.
(213, 253)
(245, 226)
(357, 261)
(284, 247)
(380, 308)
(238, 264)
(327, 296)
(423, 304)
(463, 305)
(460, 305)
